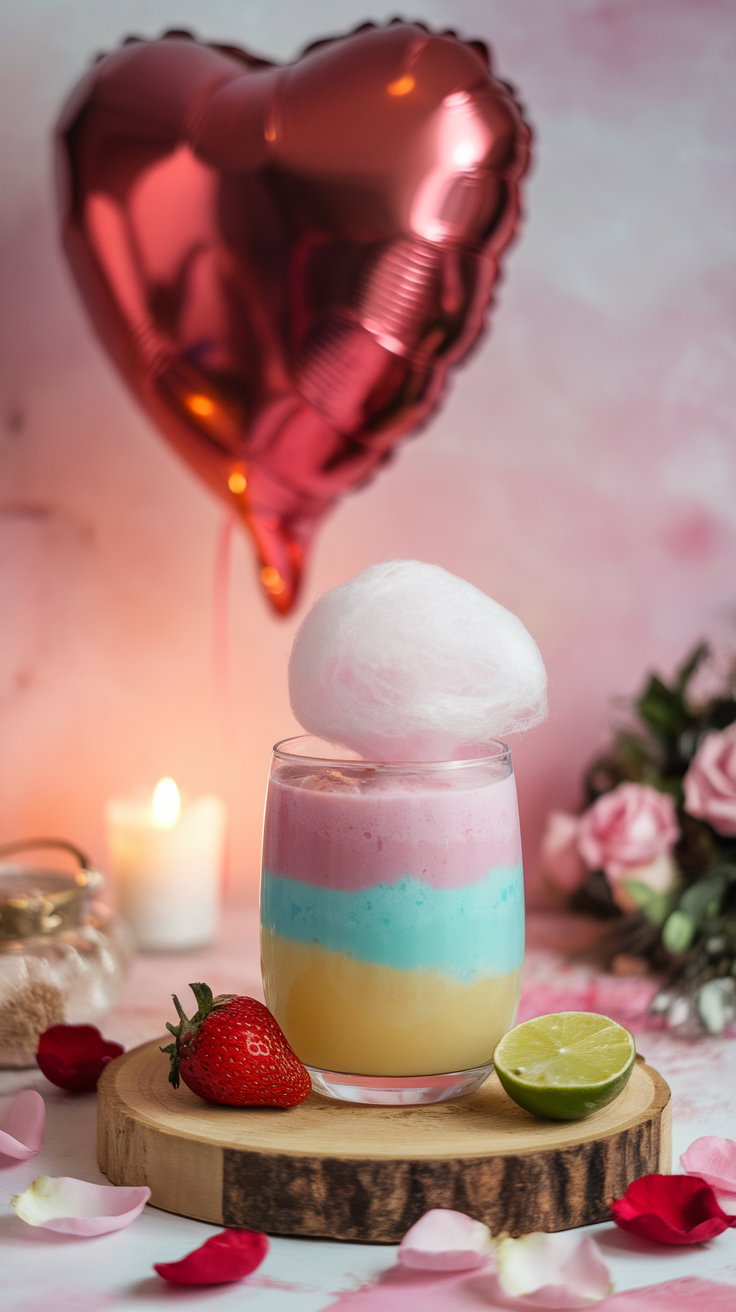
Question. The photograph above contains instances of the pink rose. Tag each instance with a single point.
(710, 783)
(560, 860)
(659, 876)
(629, 826)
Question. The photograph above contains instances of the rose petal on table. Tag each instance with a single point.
(75, 1207)
(671, 1209)
(73, 1057)
(22, 1123)
(713, 1160)
(443, 1240)
(228, 1256)
(560, 1270)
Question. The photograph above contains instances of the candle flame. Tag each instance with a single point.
(166, 803)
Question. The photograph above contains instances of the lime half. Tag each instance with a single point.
(566, 1065)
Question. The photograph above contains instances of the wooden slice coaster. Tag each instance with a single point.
(342, 1171)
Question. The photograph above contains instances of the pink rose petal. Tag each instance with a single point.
(22, 1124)
(75, 1207)
(714, 1160)
(629, 826)
(443, 1240)
(710, 783)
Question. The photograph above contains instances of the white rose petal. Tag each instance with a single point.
(550, 1266)
(75, 1207)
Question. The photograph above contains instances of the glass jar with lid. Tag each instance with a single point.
(63, 954)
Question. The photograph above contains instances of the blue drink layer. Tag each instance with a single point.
(467, 933)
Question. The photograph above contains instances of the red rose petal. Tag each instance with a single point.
(228, 1256)
(74, 1056)
(671, 1209)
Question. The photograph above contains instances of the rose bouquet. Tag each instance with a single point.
(654, 849)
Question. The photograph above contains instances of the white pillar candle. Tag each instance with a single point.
(166, 855)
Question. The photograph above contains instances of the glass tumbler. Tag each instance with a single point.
(392, 918)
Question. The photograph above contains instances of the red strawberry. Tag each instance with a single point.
(232, 1051)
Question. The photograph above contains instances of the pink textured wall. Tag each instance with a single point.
(582, 471)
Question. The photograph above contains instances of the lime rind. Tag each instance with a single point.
(565, 1066)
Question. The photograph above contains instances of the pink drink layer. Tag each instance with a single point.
(331, 831)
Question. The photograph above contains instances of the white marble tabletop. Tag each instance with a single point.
(46, 1272)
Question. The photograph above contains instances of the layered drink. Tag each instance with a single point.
(392, 910)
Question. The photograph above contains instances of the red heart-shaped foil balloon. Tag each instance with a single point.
(285, 261)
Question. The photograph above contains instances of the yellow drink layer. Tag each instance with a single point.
(361, 1018)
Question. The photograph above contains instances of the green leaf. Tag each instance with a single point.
(663, 709)
(180, 1013)
(678, 932)
(703, 899)
(718, 714)
(697, 897)
(692, 662)
(173, 1056)
(655, 906)
(203, 994)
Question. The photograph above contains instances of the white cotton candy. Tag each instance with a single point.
(406, 662)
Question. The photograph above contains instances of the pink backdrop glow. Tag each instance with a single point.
(582, 470)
